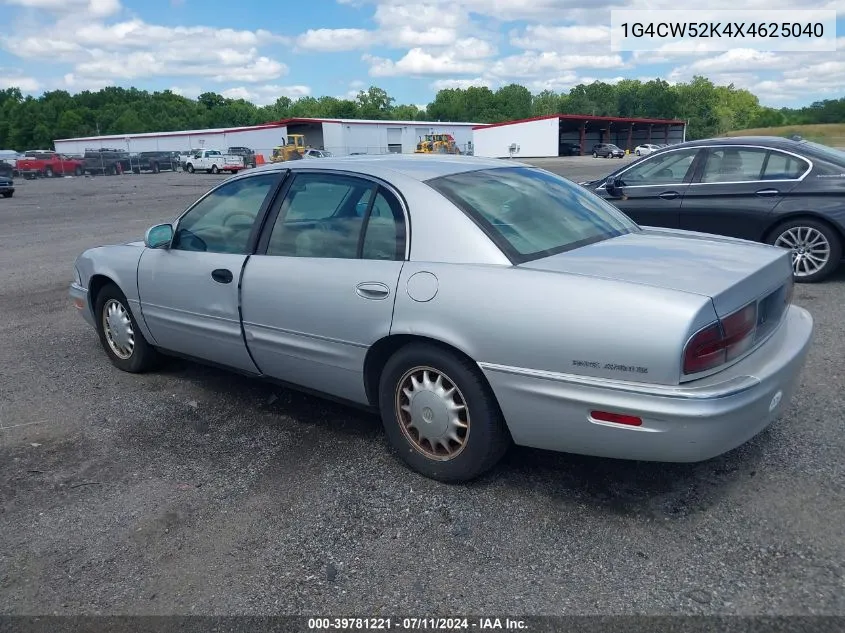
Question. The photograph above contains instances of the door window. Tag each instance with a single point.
(670, 168)
(222, 221)
(324, 215)
(732, 164)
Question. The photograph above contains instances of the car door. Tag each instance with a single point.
(189, 290)
(736, 188)
(653, 188)
(321, 289)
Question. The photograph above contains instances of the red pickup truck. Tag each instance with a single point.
(36, 164)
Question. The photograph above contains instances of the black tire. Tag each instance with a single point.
(189, 168)
(487, 437)
(595, 155)
(143, 356)
(833, 238)
(214, 169)
(638, 153)
(48, 172)
(155, 168)
(8, 194)
(77, 172)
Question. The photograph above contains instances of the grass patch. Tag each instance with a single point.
(827, 133)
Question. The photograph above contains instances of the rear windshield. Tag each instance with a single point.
(531, 213)
(836, 156)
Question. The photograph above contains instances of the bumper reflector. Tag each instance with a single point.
(616, 418)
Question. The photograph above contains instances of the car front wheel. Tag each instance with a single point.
(816, 248)
(120, 336)
(440, 415)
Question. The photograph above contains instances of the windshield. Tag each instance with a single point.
(530, 213)
(828, 153)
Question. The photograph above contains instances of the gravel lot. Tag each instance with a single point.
(192, 490)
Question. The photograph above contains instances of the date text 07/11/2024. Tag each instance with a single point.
(415, 624)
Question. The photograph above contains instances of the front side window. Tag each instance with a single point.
(530, 213)
(222, 221)
(668, 168)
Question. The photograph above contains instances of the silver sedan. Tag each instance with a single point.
(474, 303)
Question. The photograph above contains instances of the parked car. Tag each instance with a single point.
(7, 186)
(213, 161)
(566, 148)
(316, 153)
(646, 148)
(607, 150)
(594, 328)
(106, 162)
(184, 156)
(246, 154)
(766, 189)
(155, 161)
(47, 164)
(6, 169)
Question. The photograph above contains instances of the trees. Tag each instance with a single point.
(27, 122)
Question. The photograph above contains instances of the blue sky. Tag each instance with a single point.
(263, 50)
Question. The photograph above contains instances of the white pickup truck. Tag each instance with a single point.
(213, 161)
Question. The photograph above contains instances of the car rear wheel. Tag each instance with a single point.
(816, 248)
(77, 172)
(120, 336)
(48, 172)
(440, 415)
(214, 169)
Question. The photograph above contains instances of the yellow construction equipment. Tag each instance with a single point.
(437, 144)
(293, 149)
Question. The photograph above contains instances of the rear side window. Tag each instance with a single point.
(784, 167)
(530, 213)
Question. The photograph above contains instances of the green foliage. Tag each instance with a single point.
(30, 123)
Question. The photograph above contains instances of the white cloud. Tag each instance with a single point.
(532, 64)
(267, 94)
(418, 62)
(133, 49)
(71, 82)
(444, 84)
(14, 80)
(323, 40)
(93, 8)
(540, 37)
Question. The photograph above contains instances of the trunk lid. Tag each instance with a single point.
(731, 272)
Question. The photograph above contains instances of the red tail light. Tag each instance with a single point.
(721, 342)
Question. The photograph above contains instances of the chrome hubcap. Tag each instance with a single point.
(118, 328)
(432, 413)
(810, 249)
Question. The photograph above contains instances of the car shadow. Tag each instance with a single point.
(629, 488)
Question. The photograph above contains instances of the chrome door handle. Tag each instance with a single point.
(372, 290)
(768, 192)
(669, 195)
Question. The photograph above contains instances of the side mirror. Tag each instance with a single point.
(159, 236)
(613, 185)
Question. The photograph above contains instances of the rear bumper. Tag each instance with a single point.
(689, 423)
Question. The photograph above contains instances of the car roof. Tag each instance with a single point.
(420, 167)
(766, 141)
